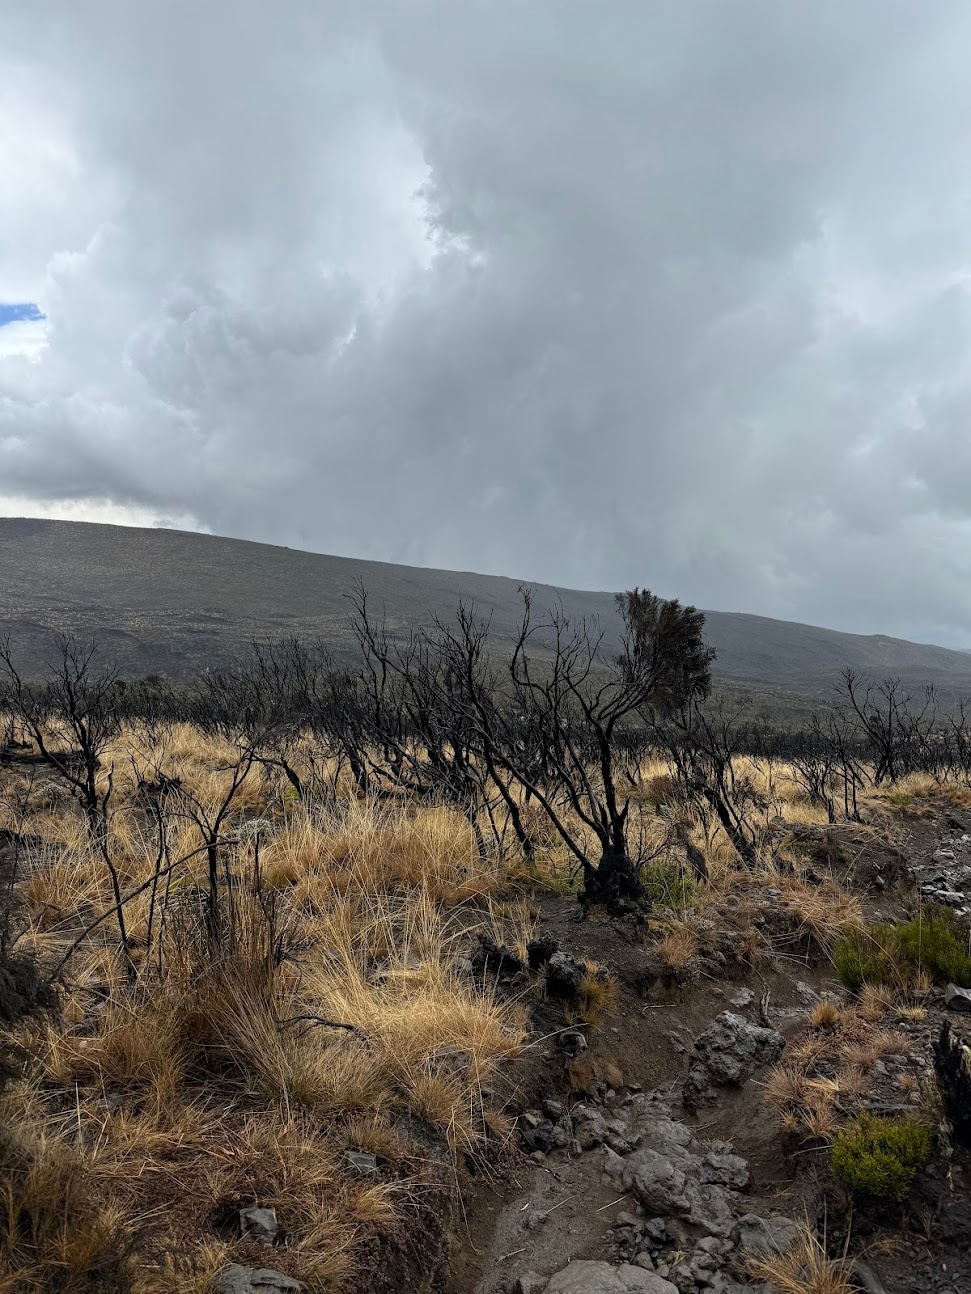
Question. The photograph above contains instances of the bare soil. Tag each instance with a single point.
(643, 1044)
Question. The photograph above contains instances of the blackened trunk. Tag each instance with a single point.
(614, 884)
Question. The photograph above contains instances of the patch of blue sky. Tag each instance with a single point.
(20, 312)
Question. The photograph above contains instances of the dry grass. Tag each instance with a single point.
(679, 944)
(824, 1015)
(598, 994)
(828, 1072)
(332, 1014)
(805, 1269)
(219, 1074)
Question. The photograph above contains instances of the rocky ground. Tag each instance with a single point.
(646, 1156)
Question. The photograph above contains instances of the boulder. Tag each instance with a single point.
(530, 1283)
(564, 975)
(234, 1279)
(583, 1277)
(762, 1237)
(494, 962)
(258, 1223)
(729, 1051)
(539, 951)
(957, 999)
(724, 1170)
(659, 1183)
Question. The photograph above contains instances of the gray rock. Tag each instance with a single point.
(957, 999)
(364, 1164)
(572, 1041)
(725, 1170)
(260, 1224)
(656, 1230)
(564, 975)
(742, 997)
(760, 1237)
(533, 1219)
(658, 1182)
(530, 1283)
(234, 1279)
(582, 1277)
(729, 1052)
(591, 1129)
(451, 1062)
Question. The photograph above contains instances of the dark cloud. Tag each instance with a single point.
(597, 294)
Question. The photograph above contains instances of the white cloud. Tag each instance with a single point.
(595, 294)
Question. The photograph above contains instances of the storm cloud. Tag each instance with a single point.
(596, 294)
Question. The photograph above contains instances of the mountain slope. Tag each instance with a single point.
(166, 601)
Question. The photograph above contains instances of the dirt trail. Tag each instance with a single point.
(546, 1209)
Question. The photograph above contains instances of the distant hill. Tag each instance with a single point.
(176, 603)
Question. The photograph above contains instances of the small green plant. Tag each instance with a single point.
(667, 885)
(931, 944)
(878, 1157)
(859, 958)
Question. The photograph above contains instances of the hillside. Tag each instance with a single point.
(172, 602)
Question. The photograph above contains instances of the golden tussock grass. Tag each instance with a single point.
(805, 1269)
(331, 1013)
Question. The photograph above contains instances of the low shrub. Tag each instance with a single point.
(931, 944)
(878, 1157)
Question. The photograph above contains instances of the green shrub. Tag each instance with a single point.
(667, 885)
(859, 959)
(894, 955)
(879, 1157)
(933, 942)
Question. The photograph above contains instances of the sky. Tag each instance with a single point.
(634, 292)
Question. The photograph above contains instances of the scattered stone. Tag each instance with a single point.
(234, 1279)
(539, 951)
(583, 1277)
(656, 1230)
(554, 1109)
(489, 959)
(742, 997)
(364, 1165)
(564, 975)
(957, 999)
(760, 1237)
(448, 1061)
(729, 1052)
(572, 1041)
(591, 1127)
(725, 1170)
(530, 1283)
(257, 1223)
(533, 1219)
